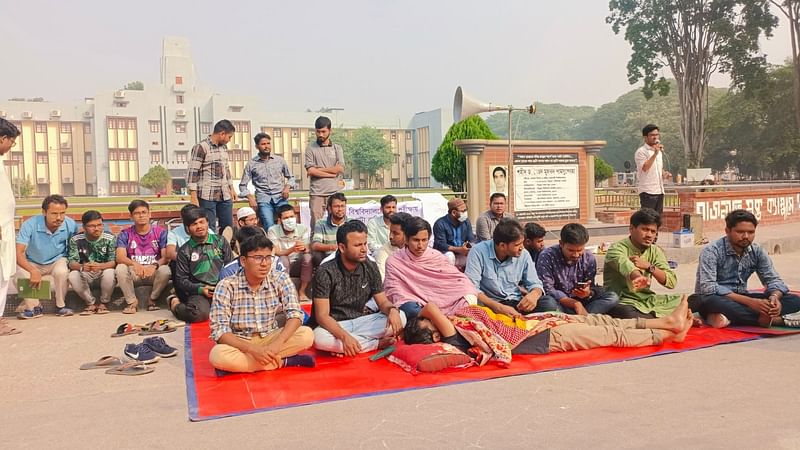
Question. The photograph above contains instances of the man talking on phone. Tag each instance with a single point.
(649, 170)
(567, 272)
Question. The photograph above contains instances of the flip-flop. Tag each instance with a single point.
(126, 329)
(8, 330)
(130, 369)
(157, 327)
(103, 363)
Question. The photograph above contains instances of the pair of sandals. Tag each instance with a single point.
(95, 309)
(156, 327)
(118, 366)
(6, 329)
(133, 307)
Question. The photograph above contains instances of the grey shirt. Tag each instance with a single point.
(321, 157)
(484, 226)
(268, 176)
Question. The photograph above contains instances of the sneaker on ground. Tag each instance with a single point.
(717, 320)
(141, 353)
(65, 312)
(792, 320)
(38, 312)
(160, 347)
(26, 314)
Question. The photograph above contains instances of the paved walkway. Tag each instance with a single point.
(732, 396)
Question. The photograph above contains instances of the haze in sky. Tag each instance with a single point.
(379, 57)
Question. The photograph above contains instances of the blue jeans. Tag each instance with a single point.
(737, 313)
(218, 210)
(411, 310)
(600, 302)
(545, 304)
(266, 211)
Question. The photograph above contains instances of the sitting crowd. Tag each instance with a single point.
(395, 277)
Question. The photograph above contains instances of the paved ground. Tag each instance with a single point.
(732, 396)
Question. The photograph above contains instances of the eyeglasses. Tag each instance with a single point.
(260, 259)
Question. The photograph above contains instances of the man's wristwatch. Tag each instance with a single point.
(652, 268)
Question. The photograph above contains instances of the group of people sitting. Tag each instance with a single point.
(373, 284)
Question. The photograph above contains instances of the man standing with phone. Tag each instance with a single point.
(649, 170)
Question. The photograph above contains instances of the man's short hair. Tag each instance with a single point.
(534, 231)
(740, 215)
(245, 233)
(400, 218)
(193, 215)
(351, 226)
(261, 136)
(574, 234)
(386, 199)
(649, 128)
(500, 169)
(414, 225)
(645, 216)
(137, 204)
(54, 198)
(185, 210)
(256, 242)
(337, 196)
(90, 215)
(415, 333)
(322, 122)
(224, 126)
(508, 230)
(283, 208)
(8, 129)
(496, 195)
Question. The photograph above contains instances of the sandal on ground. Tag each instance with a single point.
(126, 329)
(130, 369)
(130, 309)
(103, 363)
(7, 330)
(102, 309)
(91, 309)
(152, 306)
(156, 327)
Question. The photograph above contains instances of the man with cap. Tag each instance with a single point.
(452, 234)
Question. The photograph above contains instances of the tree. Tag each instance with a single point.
(449, 165)
(23, 187)
(134, 86)
(693, 39)
(602, 170)
(156, 179)
(791, 9)
(368, 151)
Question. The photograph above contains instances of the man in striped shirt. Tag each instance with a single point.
(209, 177)
(243, 316)
(91, 256)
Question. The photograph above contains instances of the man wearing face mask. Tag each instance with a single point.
(291, 241)
(325, 167)
(271, 179)
(452, 234)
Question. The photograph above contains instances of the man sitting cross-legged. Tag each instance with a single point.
(498, 268)
(200, 261)
(721, 294)
(567, 272)
(540, 333)
(418, 275)
(631, 264)
(342, 288)
(243, 316)
(91, 258)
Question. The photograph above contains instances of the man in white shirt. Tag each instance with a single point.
(378, 226)
(649, 170)
(8, 257)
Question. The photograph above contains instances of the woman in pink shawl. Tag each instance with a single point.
(418, 275)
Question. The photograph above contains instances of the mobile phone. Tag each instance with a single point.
(583, 284)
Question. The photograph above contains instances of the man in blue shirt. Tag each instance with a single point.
(271, 179)
(42, 250)
(567, 272)
(721, 294)
(452, 234)
(499, 267)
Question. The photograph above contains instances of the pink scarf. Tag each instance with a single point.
(427, 278)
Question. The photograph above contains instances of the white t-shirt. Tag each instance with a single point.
(650, 181)
(8, 249)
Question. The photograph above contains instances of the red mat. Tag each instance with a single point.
(212, 397)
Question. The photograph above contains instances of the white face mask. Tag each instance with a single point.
(462, 216)
(289, 224)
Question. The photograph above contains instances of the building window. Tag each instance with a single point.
(155, 157)
(294, 132)
(154, 143)
(41, 127)
(178, 80)
(180, 156)
(179, 99)
(180, 127)
(133, 155)
(395, 182)
(66, 158)
(120, 104)
(155, 126)
(112, 155)
(87, 128)
(396, 158)
(394, 135)
(181, 143)
(409, 160)
(41, 158)
(296, 159)
(88, 157)
(408, 135)
(205, 127)
(276, 133)
(131, 124)
(66, 128)
(112, 123)
(244, 127)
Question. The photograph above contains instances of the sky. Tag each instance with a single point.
(388, 58)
